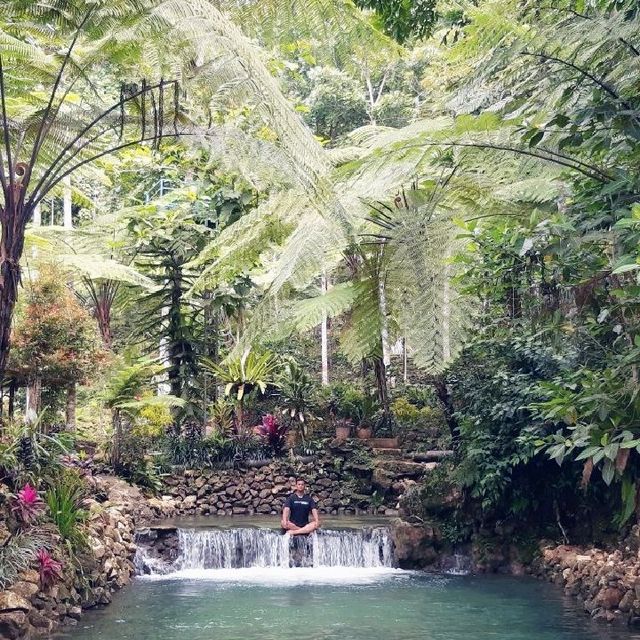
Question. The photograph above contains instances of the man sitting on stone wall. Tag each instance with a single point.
(295, 514)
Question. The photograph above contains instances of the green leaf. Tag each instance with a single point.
(608, 471)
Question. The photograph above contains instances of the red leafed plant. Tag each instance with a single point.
(27, 505)
(50, 569)
(273, 432)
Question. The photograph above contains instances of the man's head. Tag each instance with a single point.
(300, 485)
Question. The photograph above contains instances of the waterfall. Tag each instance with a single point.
(245, 548)
(231, 549)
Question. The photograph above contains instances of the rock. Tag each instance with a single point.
(10, 601)
(432, 456)
(31, 575)
(13, 625)
(400, 468)
(414, 545)
(41, 622)
(380, 479)
(626, 603)
(25, 589)
(609, 598)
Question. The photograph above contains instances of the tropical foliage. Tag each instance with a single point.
(282, 216)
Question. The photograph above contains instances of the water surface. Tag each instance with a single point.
(335, 603)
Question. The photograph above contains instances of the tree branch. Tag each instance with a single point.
(587, 74)
(633, 49)
(52, 166)
(556, 158)
(107, 152)
(7, 141)
(39, 139)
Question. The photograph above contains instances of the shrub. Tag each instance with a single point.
(17, 553)
(273, 432)
(404, 411)
(221, 413)
(152, 421)
(64, 499)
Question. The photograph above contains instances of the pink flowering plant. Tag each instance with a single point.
(27, 504)
(50, 570)
(273, 432)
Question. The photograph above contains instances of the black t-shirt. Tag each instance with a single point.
(300, 508)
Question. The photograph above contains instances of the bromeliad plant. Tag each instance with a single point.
(27, 505)
(244, 375)
(273, 432)
(50, 570)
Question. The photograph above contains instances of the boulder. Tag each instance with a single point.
(10, 601)
(414, 544)
(25, 589)
(609, 598)
(13, 625)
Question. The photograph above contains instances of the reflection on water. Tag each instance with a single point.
(273, 603)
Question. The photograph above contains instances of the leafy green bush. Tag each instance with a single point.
(404, 411)
(29, 453)
(296, 389)
(64, 500)
(348, 402)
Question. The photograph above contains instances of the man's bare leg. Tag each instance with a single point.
(300, 531)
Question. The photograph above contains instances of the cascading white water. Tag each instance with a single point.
(231, 549)
(365, 548)
(249, 548)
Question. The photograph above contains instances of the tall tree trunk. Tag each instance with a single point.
(380, 371)
(324, 336)
(12, 400)
(34, 399)
(446, 308)
(446, 401)
(210, 386)
(11, 244)
(71, 407)
(384, 318)
(116, 448)
(405, 362)
(67, 219)
(174, 334)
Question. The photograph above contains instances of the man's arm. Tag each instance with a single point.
(286, 512)
(316, 517)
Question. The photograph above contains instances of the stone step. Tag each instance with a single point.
(432, 456)
(383, 443)
(402, 468)
(387, 453)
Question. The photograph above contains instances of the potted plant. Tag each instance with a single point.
(343, 428)
(364, 412)
(364, 432)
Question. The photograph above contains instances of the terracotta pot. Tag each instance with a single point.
(342, 433)
(364, 433)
